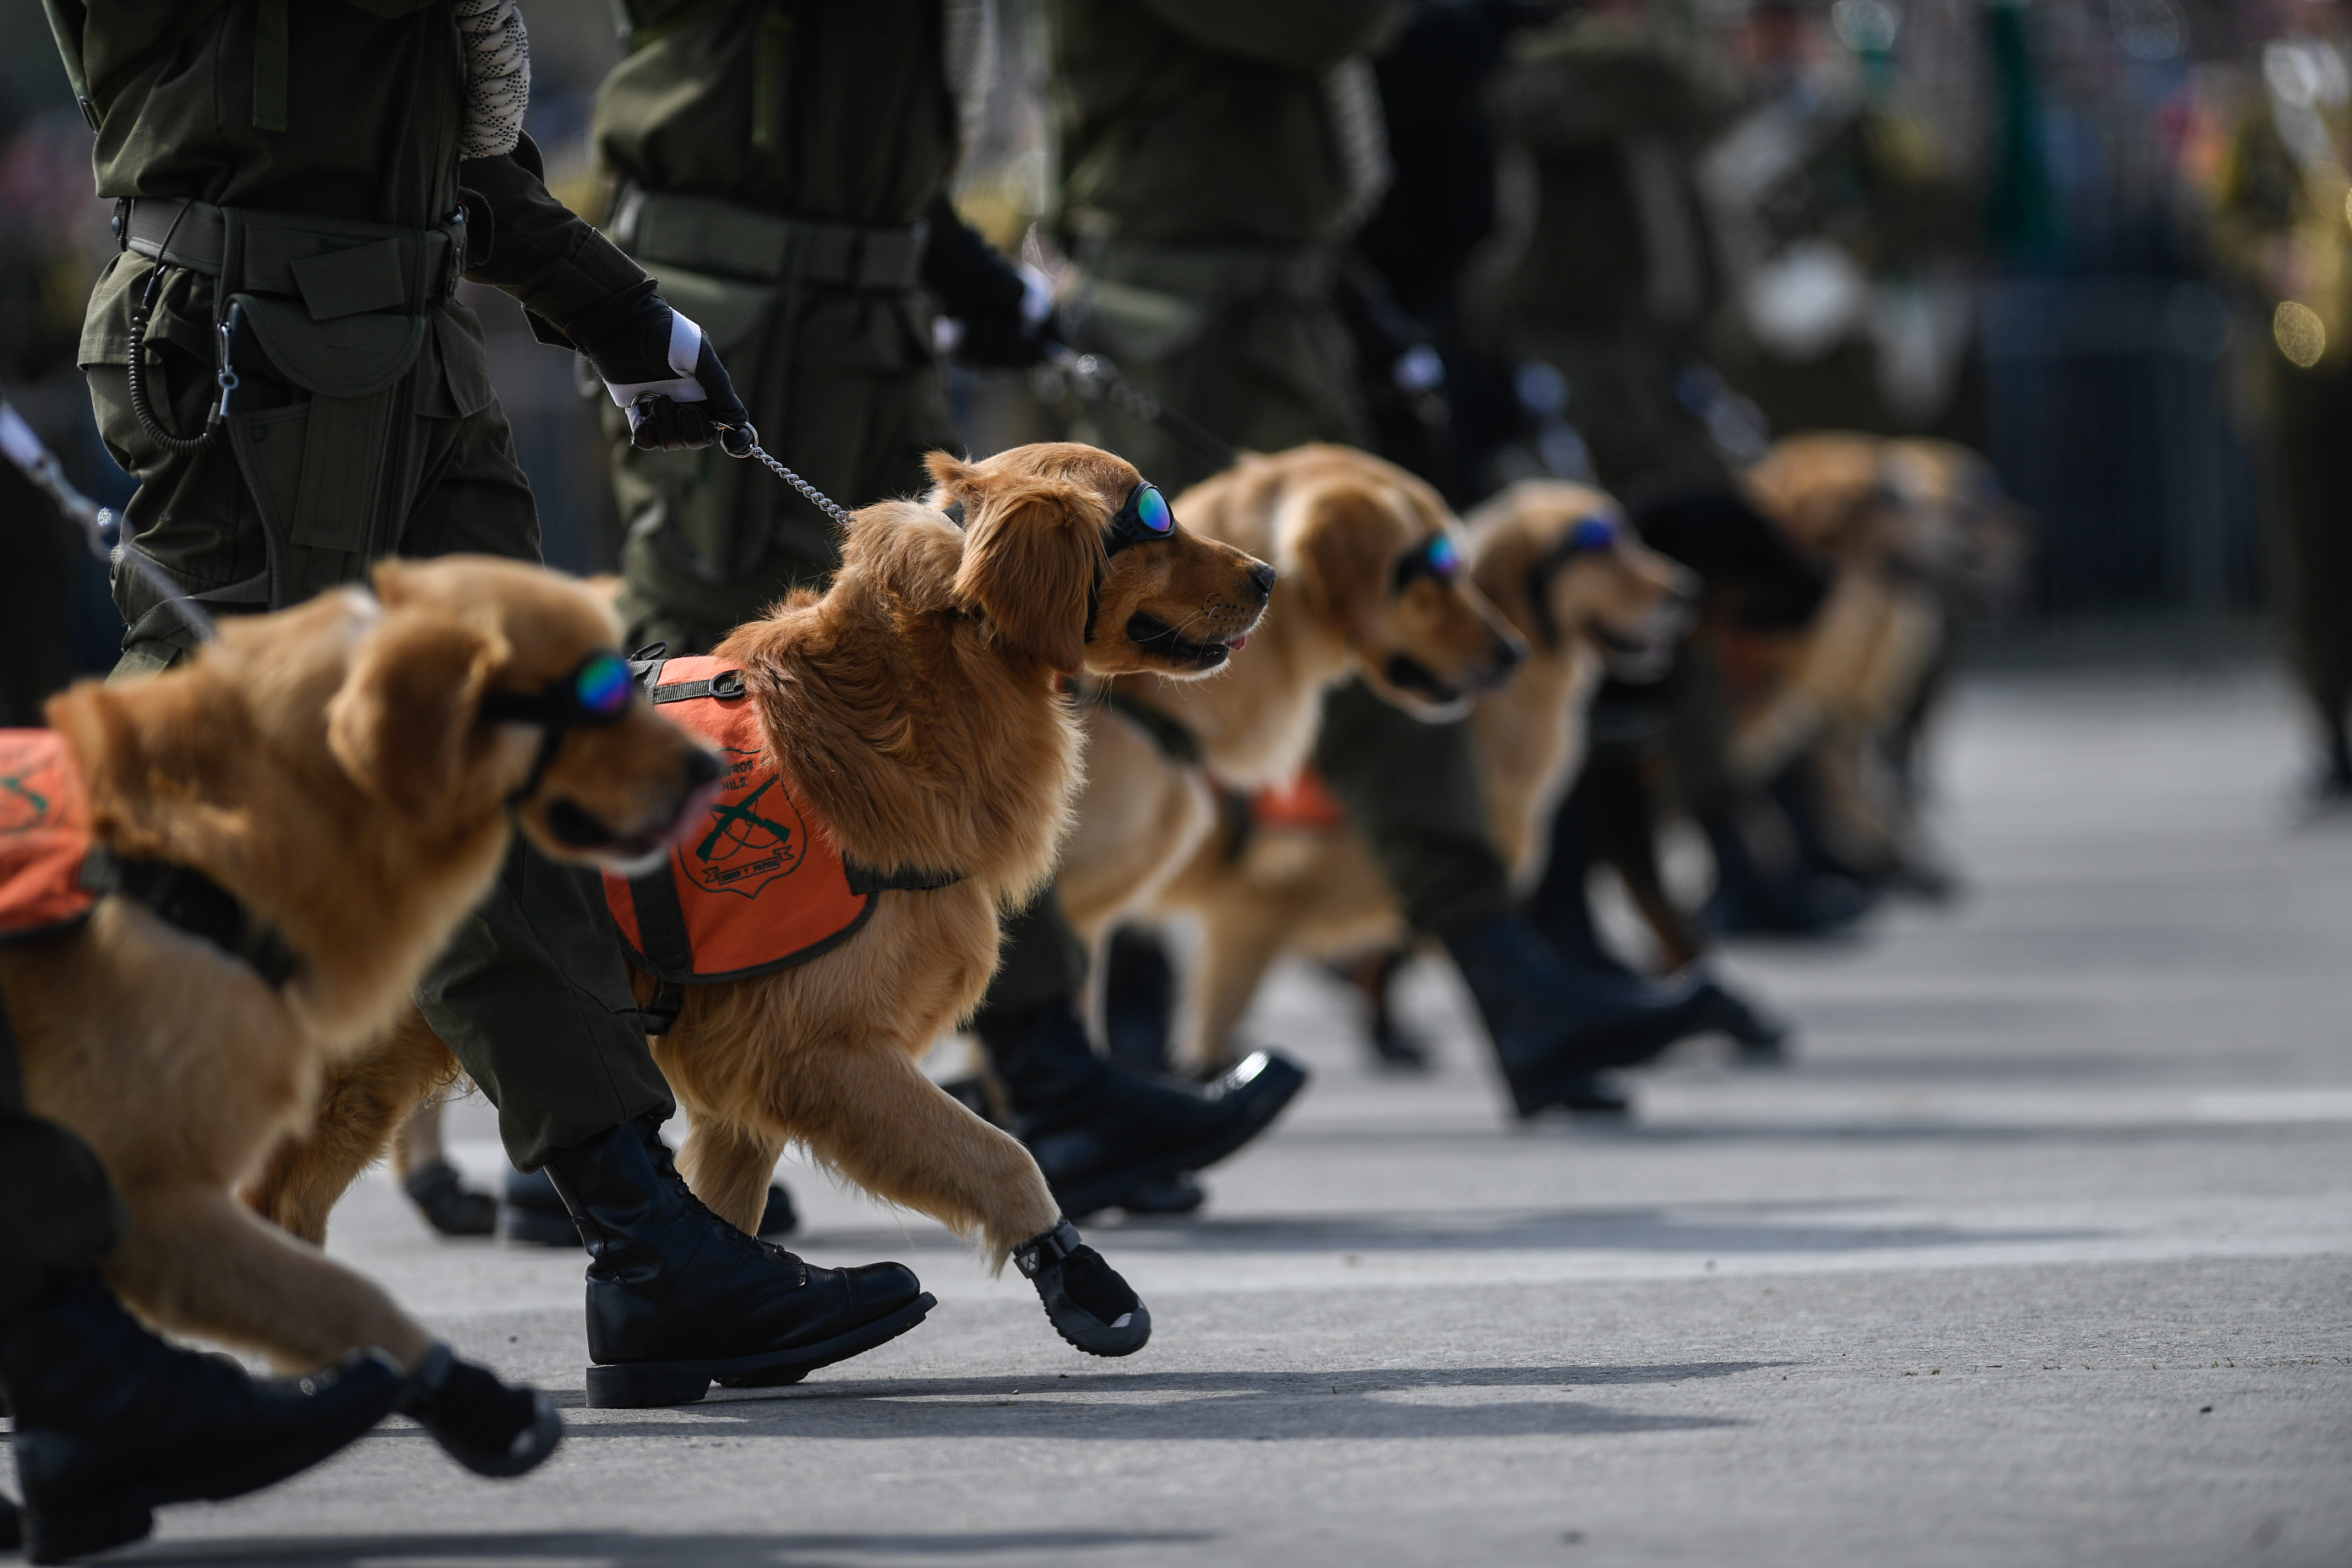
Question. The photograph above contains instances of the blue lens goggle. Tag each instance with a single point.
(1598, 532)
(596, 691)
(1438, 556)
(1144, 517)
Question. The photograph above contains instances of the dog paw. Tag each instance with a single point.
(1085, 1300)
(483, 1425)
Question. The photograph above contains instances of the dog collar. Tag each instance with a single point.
(184, 897)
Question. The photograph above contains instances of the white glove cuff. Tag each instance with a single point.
(685, 353)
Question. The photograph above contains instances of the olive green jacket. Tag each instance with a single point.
(835, 112)
(372, 99)
(1206, 121)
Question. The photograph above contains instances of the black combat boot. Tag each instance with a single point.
(448, 1205)
(1103, 1134)
(679, 1298)
(1557, 1028)
(112, 1422)
(533, 1212)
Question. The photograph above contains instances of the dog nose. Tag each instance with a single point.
(702, 767)
(1508, 656)
(1262, 578)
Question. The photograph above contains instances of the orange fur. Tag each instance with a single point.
(1320, 891)
(918, 705)
(326, 765)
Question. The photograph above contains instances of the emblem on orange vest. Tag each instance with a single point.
(44, 835)
(760, 884)
(756, 834)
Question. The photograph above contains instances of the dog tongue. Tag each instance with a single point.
(1235, 645)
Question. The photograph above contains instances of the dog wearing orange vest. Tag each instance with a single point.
(331, 788)
(914, 716)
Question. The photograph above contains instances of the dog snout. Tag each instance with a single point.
(1261, 578)
(701, 768)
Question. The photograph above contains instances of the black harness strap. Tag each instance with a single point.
(1170, 734)
(184, 897)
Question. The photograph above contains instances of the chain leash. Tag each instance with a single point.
(751, 448)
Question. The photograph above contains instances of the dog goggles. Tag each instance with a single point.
(1144, 517)
(1438, 556)
(1589, 535)
(595, 692)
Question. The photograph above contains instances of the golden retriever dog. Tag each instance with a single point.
(1922, 535)
(350, 774)
(1558, 562)
(917, 707)
(1366, 554)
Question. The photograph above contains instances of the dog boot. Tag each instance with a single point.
(485, 1425)
(449, 1205)
(679, 1298)
(1556, 1027)
(112, 1421)
(1085, 1300)
(1102, 1133)
(535, 1213)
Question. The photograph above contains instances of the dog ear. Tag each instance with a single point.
(1033, 553)
(402, 724)
(1345, 549)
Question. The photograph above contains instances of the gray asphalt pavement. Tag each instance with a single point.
(2040, 1254)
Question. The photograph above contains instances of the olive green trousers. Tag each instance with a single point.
(532, 993)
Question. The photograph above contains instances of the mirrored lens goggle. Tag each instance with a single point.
(1439, 556)
(1144, 517)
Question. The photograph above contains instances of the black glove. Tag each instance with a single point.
(661, 369)
(994, 315)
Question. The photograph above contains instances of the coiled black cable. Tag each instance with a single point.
(139, 406)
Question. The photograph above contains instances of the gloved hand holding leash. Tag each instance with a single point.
(662, 371)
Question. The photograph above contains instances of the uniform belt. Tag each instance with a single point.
(1297, 272)
(710, 235)
(280, 247)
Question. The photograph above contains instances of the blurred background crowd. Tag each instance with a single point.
(2101, 242)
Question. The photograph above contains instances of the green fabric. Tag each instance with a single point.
(1412, 790)
(1266, 371)
(857, 126)
(534, 996)
(1245, 153)
(269, 64)
(862, 127)
(195, 512)
(57, 1209)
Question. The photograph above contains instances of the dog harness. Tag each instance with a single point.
(1305, 804)
(53, 871)
(760, 884)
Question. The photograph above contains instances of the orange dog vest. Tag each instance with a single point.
(1305, 804)
(44, 835)
(760, 884)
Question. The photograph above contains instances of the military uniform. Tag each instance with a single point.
(1214, 161)
(782, 171)
(2279, 224)
(292, 172)
(1613, 275)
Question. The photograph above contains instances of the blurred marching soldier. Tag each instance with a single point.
(1846, 245)
(1215, 157)
(1597, 294)
(2279, 225)
(783, 169)
(277, 357)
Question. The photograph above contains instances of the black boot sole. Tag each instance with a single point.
(648, 1384)
(1111, 1189)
